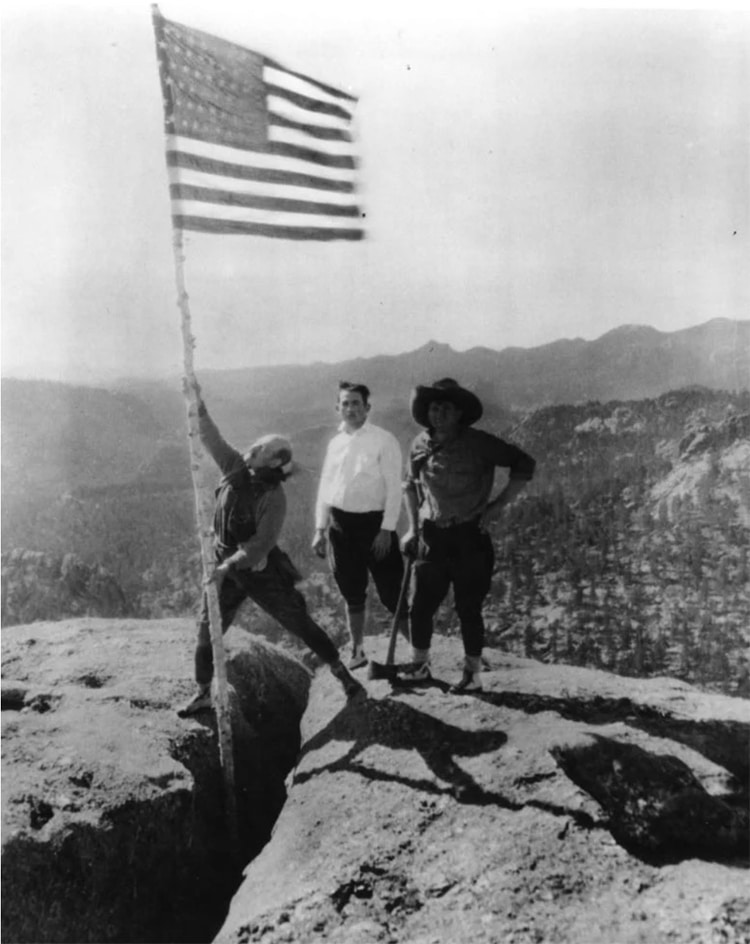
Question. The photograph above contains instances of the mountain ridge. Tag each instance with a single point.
(630, 362)
(122, 381)
(716, 354)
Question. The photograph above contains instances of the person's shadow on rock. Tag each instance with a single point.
(400, 727)
(655, 805)
(722, 742)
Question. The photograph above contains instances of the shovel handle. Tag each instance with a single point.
(394, 624)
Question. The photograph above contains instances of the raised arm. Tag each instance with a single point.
(225, 456)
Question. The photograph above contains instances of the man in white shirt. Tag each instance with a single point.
(358, 504)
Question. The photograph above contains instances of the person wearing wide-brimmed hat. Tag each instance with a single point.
(450, 474)
(248, 518)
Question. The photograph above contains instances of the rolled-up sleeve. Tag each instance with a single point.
(417, 456)
(509, 456)
(522, 465)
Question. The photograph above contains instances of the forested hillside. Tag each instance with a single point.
(56, 437)
(631, 552)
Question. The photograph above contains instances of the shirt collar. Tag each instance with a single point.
(342, 428)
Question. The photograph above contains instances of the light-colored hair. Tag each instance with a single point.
(279, 448)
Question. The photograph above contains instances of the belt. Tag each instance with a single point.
(446, 524)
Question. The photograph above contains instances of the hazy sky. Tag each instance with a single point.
(526, 178)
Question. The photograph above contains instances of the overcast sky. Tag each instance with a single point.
(551, 174)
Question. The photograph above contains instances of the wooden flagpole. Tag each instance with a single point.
(203, 501)
(204, 512)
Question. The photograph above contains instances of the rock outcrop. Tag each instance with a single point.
(559, 805)
(113, 808)
(705, 437)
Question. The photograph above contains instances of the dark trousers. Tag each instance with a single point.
(275, 593)
(350, 536)
(461, 556)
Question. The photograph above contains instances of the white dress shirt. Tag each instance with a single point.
(361, 472)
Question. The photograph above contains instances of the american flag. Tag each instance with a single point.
(251, 146)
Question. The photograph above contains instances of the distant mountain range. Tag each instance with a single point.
(57, 437)
(630, 362)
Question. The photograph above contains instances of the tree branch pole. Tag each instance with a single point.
(204, 511)
(203, 502)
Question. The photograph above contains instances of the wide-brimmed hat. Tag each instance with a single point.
(447, 389)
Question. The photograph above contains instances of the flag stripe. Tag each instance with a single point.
(180, 161)
(276, 154)
(261, 187)
(294, 136)
(253, 214)
(295, 81)
(242, 160)
(316, 106)
(234, 227)
(272, 170)
(287, 119)
(311, 155)
(229, 198)
(282, 106)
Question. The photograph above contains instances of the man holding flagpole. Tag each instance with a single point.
(249, 516)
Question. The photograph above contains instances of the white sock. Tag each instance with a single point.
(420, 655)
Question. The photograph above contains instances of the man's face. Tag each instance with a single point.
(443, 416)
(260, 456)
(352, 409)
